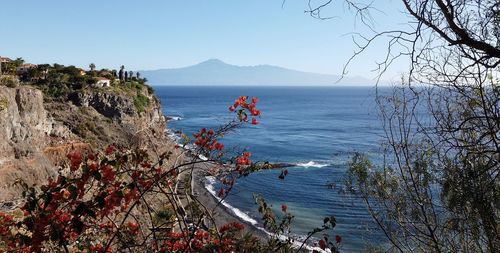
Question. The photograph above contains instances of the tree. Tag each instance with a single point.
(44, 69)
(138, 75)
(18, 62)
(126, 76)
(438, 189)
(120, 73)
(92, 67)
(130, 74)
(11, 67)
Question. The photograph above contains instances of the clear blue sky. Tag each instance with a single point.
(164, 34)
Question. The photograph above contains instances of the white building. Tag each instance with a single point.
(102, 82)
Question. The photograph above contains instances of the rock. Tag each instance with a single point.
(36, 135)
(109, 105)
(24, 123)
(280, 165)
(24, 129)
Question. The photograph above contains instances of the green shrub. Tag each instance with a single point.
(141, 102)
(9, 81)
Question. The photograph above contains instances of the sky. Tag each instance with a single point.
(154, 34)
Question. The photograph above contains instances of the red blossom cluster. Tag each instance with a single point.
(203, 241)
(244, 159)
(133, 227)
(61, 211)
(323, 244)
(207, 140)
(75, 159)
(243, 164)
(233, 226)
(6, 221)
(244, 105)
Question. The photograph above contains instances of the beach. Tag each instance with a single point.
(221, 214)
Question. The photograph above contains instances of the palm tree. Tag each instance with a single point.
(92, 67)
(120, 74)
(130, 74)
(138, 75)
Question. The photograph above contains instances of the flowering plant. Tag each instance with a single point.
(122, 200)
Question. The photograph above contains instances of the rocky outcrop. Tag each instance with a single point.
(36, 135)
(105, 103)
(25, 129)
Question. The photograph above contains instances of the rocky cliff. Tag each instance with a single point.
(37, 133)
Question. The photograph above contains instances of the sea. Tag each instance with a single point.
(317, 129)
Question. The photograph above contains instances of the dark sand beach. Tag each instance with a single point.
(220, 213)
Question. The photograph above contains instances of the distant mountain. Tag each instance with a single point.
(217, 72)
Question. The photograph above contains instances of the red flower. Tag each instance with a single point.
(322, 244)
(92, 156)
(338, 239)
(220, 194)
(254, 100)
(219, 146)
(97, 248)
(134, 227)
(238, 226)
(108, 174)
(232, 226)
(109, 150)
(93, 166)
(284, 208)
(244, 159)
(255, 112)
(75, 158)
(254, 121)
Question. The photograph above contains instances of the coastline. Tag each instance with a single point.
(220, 213)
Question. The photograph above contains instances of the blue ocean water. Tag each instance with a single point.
(317, 128)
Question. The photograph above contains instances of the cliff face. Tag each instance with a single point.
(36, 135)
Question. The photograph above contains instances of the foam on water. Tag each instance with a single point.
(175, 118)
(209, 185)
(311, 164)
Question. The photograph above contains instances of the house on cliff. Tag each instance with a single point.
(26, 67)
(82, 72)
(5, 59)
(102, 82)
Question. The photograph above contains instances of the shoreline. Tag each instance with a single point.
(220, 213)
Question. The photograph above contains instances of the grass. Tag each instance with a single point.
(141, 102)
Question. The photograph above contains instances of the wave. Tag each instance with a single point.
(173, 117)
(209, 185)
(312, 164)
